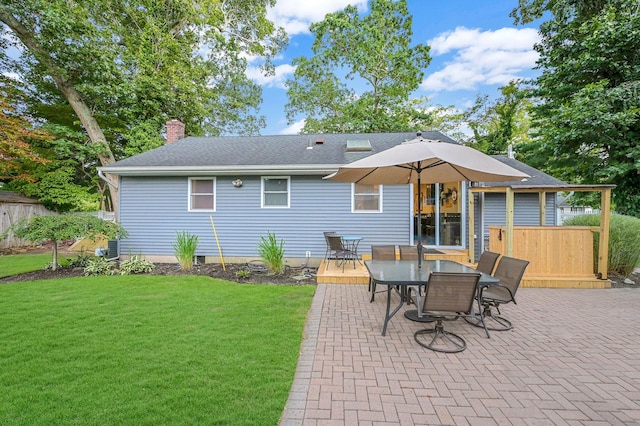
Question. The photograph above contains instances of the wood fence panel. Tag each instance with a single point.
(552, 250)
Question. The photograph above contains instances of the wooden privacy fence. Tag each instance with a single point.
(554, 251)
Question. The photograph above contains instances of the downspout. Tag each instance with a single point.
(104, 178)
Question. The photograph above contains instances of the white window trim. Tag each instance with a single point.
(215, 193)
(353, 201)
(262, 179)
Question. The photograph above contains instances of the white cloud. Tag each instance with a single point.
(481, 57)
(296, 15)
(282, 72)
(294, 129)
(12, 76)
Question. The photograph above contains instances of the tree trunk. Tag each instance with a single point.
(54, 263)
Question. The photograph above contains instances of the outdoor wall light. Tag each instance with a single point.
(237, 183)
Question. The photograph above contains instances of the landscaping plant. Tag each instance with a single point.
(56, 228)
(185, 249)
(135, 265)
(272, 253)
(624, 234)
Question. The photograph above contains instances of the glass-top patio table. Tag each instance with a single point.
(404, 273)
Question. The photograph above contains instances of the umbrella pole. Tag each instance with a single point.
(419, 223)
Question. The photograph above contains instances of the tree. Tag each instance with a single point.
(17, 155)
(587, 108)
(124, 68)
(500, 123)
(375, 53)
(58, 228)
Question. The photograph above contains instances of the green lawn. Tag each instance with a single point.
(20, 263)
(147, 350)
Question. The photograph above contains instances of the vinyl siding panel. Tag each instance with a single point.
(154, 209)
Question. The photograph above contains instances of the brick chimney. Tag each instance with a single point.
(175, 131)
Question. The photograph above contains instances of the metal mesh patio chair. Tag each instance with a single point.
(338, 250)
(487, 262)
(448, 297)
(327, 251)
(509, 271)
(411, 253)
(380, 252)
(408, 252)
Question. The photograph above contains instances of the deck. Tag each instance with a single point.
(359, 275)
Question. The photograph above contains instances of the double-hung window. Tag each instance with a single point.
(275, 192)
(202, 194)
(366, 198)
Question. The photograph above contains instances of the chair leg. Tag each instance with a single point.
(449, 342)
(489, 321)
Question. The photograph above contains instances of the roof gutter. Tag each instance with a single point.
(106, 179)
(314, 169)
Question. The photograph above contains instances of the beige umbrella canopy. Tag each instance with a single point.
(425, 161)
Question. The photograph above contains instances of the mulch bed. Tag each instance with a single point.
(251, 273)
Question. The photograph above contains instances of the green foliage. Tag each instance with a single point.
(243, 273)
(373, 51)
(81, 261)
(272, 253)
(135, 265)
(56, 228)
(586, 113)
(500, 123)
(148, 350)
(99, 266)
(185, 249)
(624, 250)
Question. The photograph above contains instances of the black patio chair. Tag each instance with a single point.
(338, 251)
(411, 253)
(487, 262)
(326, 240)
(509, 271)
(380, 252)
(449, 296)
(408, 252)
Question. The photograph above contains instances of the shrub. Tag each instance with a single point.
(99, 266)
(272, 253)
(185, 249)
(624, 250)
(81, 261)
(135, 265)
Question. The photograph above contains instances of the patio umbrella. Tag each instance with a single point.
(426, 161)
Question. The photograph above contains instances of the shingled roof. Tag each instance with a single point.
(300, 154)
(537, 177)
(288, 154)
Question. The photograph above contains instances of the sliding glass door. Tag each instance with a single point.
(441, 212)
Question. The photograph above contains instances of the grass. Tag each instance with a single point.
(147, 350)
(20, 263)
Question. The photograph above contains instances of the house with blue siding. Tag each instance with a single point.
(233, 190)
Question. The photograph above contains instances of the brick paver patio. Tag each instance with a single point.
(573, 358)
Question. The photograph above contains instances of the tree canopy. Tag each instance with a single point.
(586, 109)
(117, 71)
(380, 70)
(499, 123)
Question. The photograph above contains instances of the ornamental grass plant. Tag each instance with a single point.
(272, 253)
(624, 237)
(185, 249)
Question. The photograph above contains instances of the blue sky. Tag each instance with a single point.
(475, 49)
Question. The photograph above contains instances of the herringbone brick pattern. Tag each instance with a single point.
(573, 358)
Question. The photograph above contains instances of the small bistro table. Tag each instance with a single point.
(404, 273)
(352, 243)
